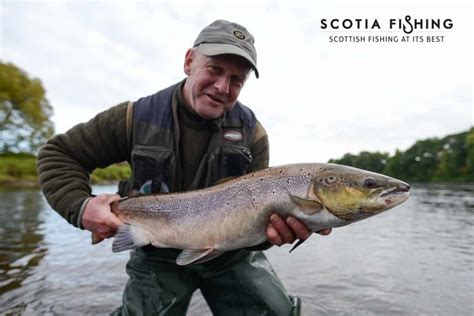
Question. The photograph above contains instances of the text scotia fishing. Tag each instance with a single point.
(406, 24)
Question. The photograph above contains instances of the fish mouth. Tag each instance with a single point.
(401, 189)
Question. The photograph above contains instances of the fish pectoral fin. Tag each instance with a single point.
(188, 256)
(307, 206)
(301, 241)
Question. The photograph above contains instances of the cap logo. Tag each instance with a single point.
(239, 34)
(233, 136)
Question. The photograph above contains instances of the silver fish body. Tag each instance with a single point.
(208, 222)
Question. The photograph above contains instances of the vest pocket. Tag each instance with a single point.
(155, 165)
(228, 161)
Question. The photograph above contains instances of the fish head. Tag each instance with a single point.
(353, 194)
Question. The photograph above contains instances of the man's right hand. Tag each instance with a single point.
(98, 217)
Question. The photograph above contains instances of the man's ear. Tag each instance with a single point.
(188, 59)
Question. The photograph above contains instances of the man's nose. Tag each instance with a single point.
(222, 84)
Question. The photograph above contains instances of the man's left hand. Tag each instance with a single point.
(282, 231)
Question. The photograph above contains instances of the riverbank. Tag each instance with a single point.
(19, 171)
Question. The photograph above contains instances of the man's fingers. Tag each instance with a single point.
(110, 198)
(300, 229)
(324, 232)
(97, 216)
(106, 235)
(273, 236)
(114, 222)
(282, 228)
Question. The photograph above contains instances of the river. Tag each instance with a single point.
(417, 259)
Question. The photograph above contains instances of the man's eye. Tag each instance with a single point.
(213, 69)
(238, 81)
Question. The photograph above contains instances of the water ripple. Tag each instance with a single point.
(416, 259)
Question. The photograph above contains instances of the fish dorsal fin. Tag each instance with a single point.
(188, 256)
(307, 206)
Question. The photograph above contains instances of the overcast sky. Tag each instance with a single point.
(316, 99)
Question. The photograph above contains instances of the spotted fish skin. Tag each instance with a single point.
(208, 222)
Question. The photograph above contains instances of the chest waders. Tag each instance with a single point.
(240, 282)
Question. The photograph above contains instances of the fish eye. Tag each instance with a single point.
(370, 183)
(330, 179)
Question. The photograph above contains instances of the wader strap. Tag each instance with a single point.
(128, 123)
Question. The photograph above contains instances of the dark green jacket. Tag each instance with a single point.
(65, 162)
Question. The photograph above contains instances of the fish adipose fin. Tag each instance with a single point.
(125, 239)
(307, 206)
(188, 256)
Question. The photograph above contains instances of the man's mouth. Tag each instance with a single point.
(215, 99)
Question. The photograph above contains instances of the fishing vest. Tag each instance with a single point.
(155, 157)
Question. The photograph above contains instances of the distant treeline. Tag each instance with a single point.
(447, 159)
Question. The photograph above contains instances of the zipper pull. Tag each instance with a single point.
(247, 153)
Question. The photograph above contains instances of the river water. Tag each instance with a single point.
(417, 259)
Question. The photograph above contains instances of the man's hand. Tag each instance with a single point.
(98, 217)
(281, 231)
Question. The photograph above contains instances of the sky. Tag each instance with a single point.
(317, 99)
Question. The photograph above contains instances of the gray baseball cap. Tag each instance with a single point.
(224, 37)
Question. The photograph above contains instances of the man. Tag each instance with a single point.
(185, 137)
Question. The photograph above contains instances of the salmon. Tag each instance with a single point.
(208, 222)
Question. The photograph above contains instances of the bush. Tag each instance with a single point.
(18, 166)
(112, 173)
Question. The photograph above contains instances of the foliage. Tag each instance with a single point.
(112, 173)
(22, 166)
(18, 166)
(365, 160)
(24, 111)
(470, 153)
(447, 159)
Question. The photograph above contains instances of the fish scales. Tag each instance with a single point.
(212, 214)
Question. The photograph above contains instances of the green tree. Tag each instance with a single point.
(396, 166)
(420, 160)
(365, 160)
(371, 161)
(469, 142)
(347, 159)
(24, 111)
(452, 156)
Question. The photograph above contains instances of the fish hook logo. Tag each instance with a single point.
(407, 29)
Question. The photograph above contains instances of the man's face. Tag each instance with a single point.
(214, 83)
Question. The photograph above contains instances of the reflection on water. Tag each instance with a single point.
(21, 245)
(417, 259)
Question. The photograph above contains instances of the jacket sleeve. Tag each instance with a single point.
(66, 160)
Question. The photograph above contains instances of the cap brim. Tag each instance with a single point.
(219, 49)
